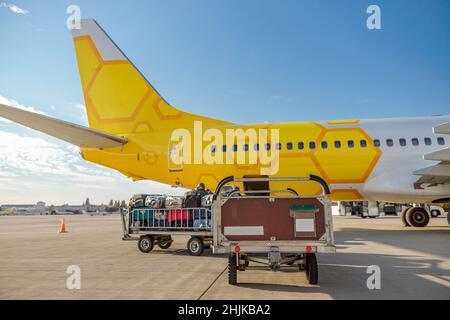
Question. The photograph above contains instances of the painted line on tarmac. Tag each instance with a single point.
(212, 283)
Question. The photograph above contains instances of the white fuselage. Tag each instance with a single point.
(393, 177)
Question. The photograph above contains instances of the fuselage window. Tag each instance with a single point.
(256, 147)
(363, 143)
(235, 147)
(350, 143)
(267, 146)
(289, 145)
(390, 142)
(278, 146)
(312, 145)
(441, 141)
(337, 144)
(402, 142)
(415, 141)
(245, 147)
(324, 144)
(213, 149)
(301, 146)
(224, 148)
(376, 143)
(427, 141)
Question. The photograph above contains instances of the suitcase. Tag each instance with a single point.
(155, 201)
(160, 214)
(174, 202)
(202, 223)
(178, 215)
(142, 217)
(138, 200)
(142, 214)
(159, 223)
(192, 199)
(199, 214)
(207, 200)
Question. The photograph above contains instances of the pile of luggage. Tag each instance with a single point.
(155, 210)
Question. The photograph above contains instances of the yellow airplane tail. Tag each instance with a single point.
(118, 98)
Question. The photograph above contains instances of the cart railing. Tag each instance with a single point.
(182, 219)
(225, 181)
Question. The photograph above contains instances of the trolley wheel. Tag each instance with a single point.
(195, 246)
(165, 243)
(145, 244)
(312, 269)
(417, 217)
(232, 269)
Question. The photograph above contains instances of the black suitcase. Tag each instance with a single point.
(192, 199)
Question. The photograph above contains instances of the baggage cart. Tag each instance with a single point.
(273, 229)
(156, 226)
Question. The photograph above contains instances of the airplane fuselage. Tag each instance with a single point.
(360, 159)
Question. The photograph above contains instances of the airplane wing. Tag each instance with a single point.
(439, 173)
(69, 132)
(443, 128)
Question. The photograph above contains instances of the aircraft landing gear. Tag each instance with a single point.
(417, 217)
(403, 217)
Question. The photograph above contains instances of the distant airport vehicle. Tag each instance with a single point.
(131, 129)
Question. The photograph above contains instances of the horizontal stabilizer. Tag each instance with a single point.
(442, 129)
(440, 155)
(69, 132)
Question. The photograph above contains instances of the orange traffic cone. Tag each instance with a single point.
(62, 226)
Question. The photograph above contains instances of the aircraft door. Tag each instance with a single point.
(175, 155)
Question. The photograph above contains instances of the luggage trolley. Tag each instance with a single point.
(272, 228)
(156, 226)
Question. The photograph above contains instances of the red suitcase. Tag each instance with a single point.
(178, 215)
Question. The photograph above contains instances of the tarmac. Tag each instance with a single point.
(414, 264)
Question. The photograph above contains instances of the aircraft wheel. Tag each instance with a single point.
(417, 217)
(403, 217)
(145, 244)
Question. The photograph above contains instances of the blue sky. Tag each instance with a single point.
(242, 61)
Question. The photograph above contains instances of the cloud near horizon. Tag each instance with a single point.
(13, 8)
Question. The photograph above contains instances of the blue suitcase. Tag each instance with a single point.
(201, 214)
(202, 223)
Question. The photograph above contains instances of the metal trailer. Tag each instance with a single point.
(156, 226)
(272, 228)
